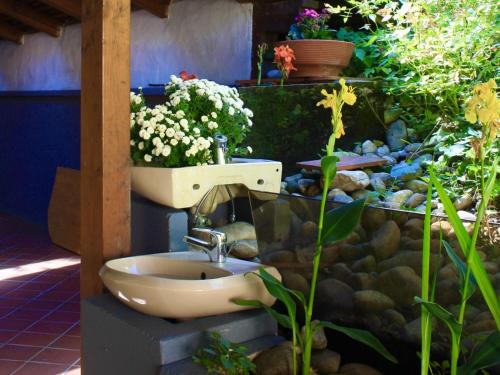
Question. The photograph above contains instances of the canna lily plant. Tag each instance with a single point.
(284, 56)
(483, 108)
(333, 226)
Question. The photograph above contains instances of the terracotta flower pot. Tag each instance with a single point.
(319, 58)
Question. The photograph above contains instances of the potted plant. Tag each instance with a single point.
(317, 55)
(173, 144)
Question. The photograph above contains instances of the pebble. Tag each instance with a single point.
(368, 147)
(350, 180)
(385, 241)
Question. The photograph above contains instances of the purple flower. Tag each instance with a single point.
(307, 13)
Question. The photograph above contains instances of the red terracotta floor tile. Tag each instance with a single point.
(36, 285)
(59, 296)
(64, 316)
(33, 339)
(28, 314)
(75, 331)
(22, 294)
(41, 305)
(18, 352)
(41, 369)
(67, 342)
(59, 356)
(7, 367)
(14, 324)
(70, 306)
(46, 326)
(6, 335)
(74, 370)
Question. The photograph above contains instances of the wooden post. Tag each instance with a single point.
(105, 139)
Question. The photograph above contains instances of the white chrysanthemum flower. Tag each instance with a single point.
(204, 119)
(231, 111)
(196, 130)
(137, 100)
(141, 145)
(170, 132)
(186, 140)
(180, 114)
(174, 142)
(214, 115)
(132, 123)
(218, 105)
(148, 158)
(132, 142)
(166, 150)
(184, 123)
(213, 125)
(249, 149)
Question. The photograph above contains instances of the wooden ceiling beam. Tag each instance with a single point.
(31, 17)
(72, 8)
(11, 33)
(157, 7)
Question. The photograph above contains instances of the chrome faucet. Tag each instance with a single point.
(221, 152)
(215, 248)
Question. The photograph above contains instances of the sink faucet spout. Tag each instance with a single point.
(215, 248)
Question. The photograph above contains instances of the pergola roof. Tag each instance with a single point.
(20, 17)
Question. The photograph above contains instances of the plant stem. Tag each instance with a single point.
(294, 349)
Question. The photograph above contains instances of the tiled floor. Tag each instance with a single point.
(39, 303)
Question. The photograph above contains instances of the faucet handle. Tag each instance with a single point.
(216, 238)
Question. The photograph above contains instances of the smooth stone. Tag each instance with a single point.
(342, 199)
(385, 241)
(491, 267)
(399, 283)
(350, 180)
(308, 187)
(295, 177)
(414, 224)
(358, 369)
(397, 199)
(412, 331)
(398, 155)
(447, 292)
(341, 271)
(423, 160)
(464, 215)
(292, 187)
(334, 192)
(406, 172)
(441, 226)
(368, 147)
(420, 208)
(362, 281)
(448, 271)
(238, 231)
(412, 259)
(371, 301)
(281, 256)
(349, 252)
(373, 218)
(417, 186)
(358, 149)
(396, 135)
(483, 326)
(309, 230)
(275, 361)
(366, 264)
(295, 281)
(463, 202)
(377, 184)
(390, 160)
(319, 340)
(412, 135)
(245, 249)
(383, 151)
(384, 176)
(415, 200)
(412, 147)
(334, 294)
(302, 208)
(394, 319)
(325, 362)
(391, 115)
(274, 218)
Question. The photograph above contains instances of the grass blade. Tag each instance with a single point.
(487, 354)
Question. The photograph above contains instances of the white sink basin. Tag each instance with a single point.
(184, 285)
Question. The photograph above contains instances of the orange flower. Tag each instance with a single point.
(283, 58)
(185, 76)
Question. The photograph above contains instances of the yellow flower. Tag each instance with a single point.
(484, 107)
(348, 95)
(330, 101)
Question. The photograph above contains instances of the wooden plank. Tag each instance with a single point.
(105, 138)
(11, 33)
(346, 163)
(157, 7)
(64, 210)
(31, 17)
(72, 8)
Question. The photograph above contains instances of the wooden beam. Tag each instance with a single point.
(31, 17)
(105, 141)
(157, 7)
(72, 8)
(11, 33)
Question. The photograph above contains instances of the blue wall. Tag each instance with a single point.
(38, 133)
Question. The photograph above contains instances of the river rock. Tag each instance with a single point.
(377, 184)
(274, 218)
(385, 240)
(406, 172)
(343, 199)
(464, 215)
(412, 147)
(325, 362)
(295, 281)
(441, 226)
(397, 199)
(319, 340)
(335, 192)
(358, 369)
(383, 151)
(349, 252)
(371, 301)
(238, 231)
(308, 187)
(414, 225)
(281, 256)
(384, 176)
(447, 292)
(396, 135)
(393, 319)
(399, 283)
(415, 200)
(412, 259)
(362, 280)
(350, 180)
(373, 218)
(309, 230)
(341, 272)
(366, 264)
(448, 272)
(334, 295)
(368, 147)
(245, 249)
(482, 326)
(417, 186)
(463, 202)
(412, 331)
(275, 361)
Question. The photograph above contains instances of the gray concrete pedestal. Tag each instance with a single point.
(117, 340)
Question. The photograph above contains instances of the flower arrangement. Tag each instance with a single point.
(310, 24)
(283, 58)
(181, 131)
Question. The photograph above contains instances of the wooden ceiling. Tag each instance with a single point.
(20, 17)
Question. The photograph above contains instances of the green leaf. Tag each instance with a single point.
(282, 319)
(462, 270)
(487, 354)
(442, 314)
(341, 221)
(363, 337)
(465, 242)
(278, 290)
(329, 168)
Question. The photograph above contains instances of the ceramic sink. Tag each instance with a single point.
(184, 285)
